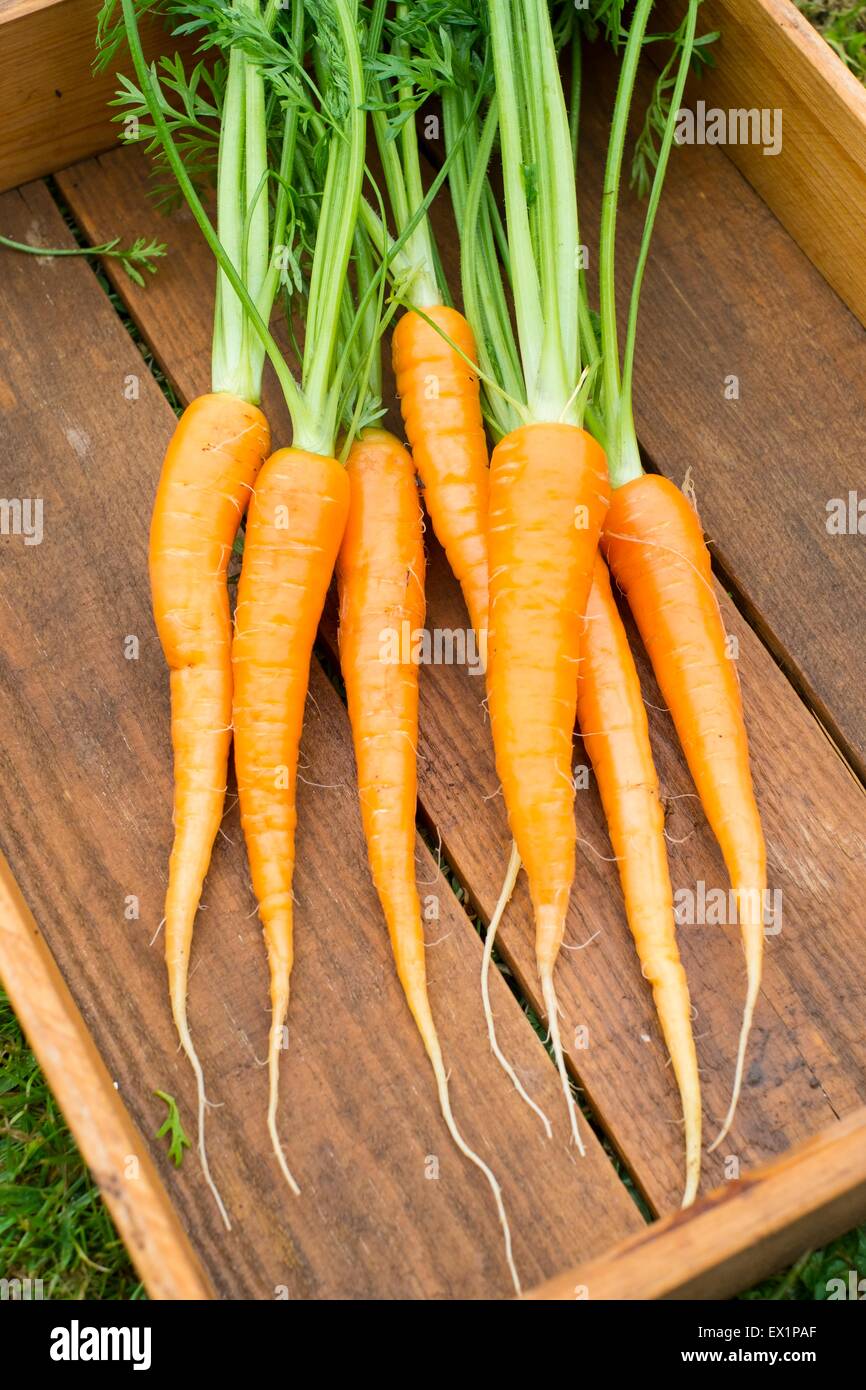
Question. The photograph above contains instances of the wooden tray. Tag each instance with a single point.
(388, 1210)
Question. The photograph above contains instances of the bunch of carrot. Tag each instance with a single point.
(532, 536)
(557, 647)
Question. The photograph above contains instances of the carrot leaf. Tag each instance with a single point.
(172, 1128)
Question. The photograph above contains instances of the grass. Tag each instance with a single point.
(53, 1224)
(806, 1281)
(843, 25)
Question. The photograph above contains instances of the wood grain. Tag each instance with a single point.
(770, 57)
(112, 1147)
(388, 1209)
(53, 107)
(809, 1055)
(738, 1234)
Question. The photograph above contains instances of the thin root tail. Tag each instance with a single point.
(273, 1097)
(552, 1007)
(192, 1057)
(751, 1001)
(504, 899)
(447, 1114)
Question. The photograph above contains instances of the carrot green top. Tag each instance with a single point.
(270, 93)
(615, 427)
(393, 102)
(535, 374)
(563, 363)
(399, 80)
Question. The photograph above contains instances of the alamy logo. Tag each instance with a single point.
(443, 646)
(77, 1343)
(850, 1288)
(21, 1290)
(739, 126)
(719, 907)
(22, 516)
(846, 516)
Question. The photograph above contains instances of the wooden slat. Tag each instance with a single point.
(113, 1148)
(770, 57)
(85, 766)
(809, 1054)
(738, 1234)
(53, 108)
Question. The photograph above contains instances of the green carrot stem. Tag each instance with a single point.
(623, 456)
(655, 195)
(149, 88)
(342, 191)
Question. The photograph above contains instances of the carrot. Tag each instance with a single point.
(548, 497)
(441, 407)
(381, 584)
(208, 474)
(294, 530)
(612, 719)
(217, 449)
(656, 550)
(299, 511)
(433, 346)
(653, 539)
(548, 484)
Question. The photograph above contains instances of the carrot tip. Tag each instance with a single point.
(504, 898)
(192, 1057)
(552, 1007)
(280, 1156)
(435, 1055)
(745, 1030)
(691, 1190)
(273, 1096)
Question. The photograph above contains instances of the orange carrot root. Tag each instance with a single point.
(612, 718)
(441, 405)
(489, 939)
(295, 526)
(381, 580)
(207, 476)
(655, 548)
(548, 496)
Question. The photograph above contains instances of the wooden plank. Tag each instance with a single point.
(809, 1059)
(86, 828)
(112, 1147)
(769, 57)
(738, 1234)
(53, 107)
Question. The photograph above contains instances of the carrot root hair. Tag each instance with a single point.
(504, 898)
(434, 1052)
(753, 986)
(181, 1023)
(279, 1014)
(551, 1005)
